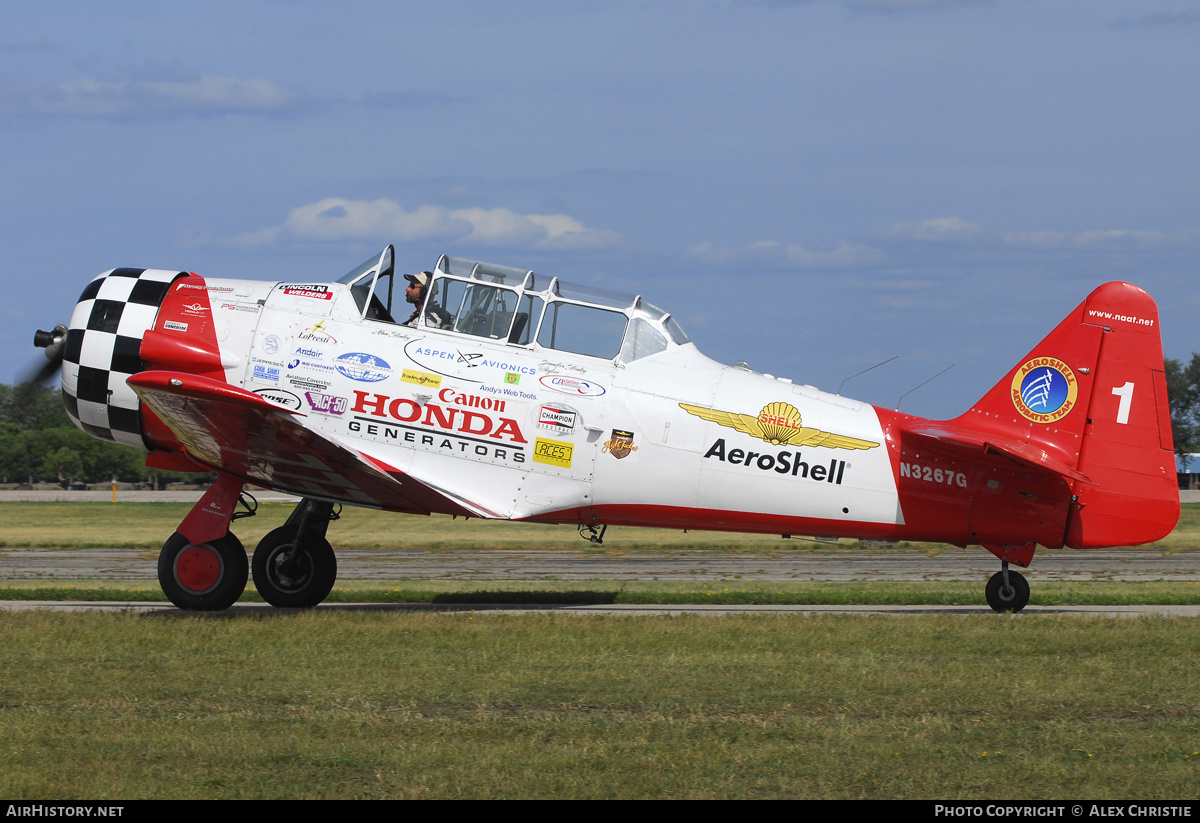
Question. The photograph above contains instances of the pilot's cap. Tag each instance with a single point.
(421, 278)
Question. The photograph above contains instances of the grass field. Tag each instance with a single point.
(147, 525)
(474, 704)
(483, 705)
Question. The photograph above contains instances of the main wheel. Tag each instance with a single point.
(203, 576)
(1010, 598)
(303, 586)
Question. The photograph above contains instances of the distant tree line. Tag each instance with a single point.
(39, 443)
(1183, 390)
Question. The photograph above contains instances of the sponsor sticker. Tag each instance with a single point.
(421, 378)
(477, 367)
(557, 418)
(1044, 389)
(280, 397)
(173, 326)
(571, 385)
(783, 463)
(448, 429)
(317, 333)
(306, 384)
(266, 373)
(319, 292)
(271, 344)
(363, 367)
(326, 403)
(552, 452)
(620, 445)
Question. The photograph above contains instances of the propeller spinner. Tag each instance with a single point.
(53, 342)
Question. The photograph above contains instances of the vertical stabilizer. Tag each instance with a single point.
(1089, 402)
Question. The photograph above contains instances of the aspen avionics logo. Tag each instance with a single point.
(1044, 389)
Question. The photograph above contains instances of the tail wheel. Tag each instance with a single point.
(287, 580)
(203, 576)
(1010, 596)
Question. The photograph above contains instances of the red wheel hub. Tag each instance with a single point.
(198, 568)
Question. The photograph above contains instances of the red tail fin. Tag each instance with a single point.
(1092, 397)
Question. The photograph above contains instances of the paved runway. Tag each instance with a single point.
(392, 565)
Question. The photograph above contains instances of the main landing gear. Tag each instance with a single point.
(294, 565)
(1007, 590)
(203, 567)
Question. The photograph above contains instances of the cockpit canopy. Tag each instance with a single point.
(521, 308)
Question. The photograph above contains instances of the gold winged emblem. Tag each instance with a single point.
(778, 424)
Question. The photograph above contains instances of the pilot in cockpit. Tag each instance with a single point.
(416, 293)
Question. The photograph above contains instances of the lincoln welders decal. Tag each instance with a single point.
(778, 424)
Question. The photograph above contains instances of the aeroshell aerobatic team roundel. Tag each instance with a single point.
(1044, 389)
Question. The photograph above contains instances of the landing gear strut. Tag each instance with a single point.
(1007, 591)
(294, 565)
(202, 566)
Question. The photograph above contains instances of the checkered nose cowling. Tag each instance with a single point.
(102, 351)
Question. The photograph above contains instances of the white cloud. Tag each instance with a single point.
(336, 218)
(151, 99)
(936, 229)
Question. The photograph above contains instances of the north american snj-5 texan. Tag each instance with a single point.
(513, 395)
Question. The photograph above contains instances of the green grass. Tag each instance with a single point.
(421, 705)
(668, 592)
(147, 525)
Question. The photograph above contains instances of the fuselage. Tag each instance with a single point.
(624, 422)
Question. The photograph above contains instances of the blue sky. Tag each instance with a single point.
(811, 187)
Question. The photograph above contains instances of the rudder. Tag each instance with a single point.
(1128, 450)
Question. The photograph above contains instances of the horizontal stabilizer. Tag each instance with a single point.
(1030, 454)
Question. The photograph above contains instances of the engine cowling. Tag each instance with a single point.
(103, 349)
(128, 321)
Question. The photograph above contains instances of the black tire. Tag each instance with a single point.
(309, 586)
(1012, 598)
(203, 577)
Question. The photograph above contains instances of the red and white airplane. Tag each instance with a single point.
(516, 396)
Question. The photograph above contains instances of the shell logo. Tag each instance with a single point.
(779, 424)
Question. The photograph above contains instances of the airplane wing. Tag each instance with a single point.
(991, 442)
(242, 434)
